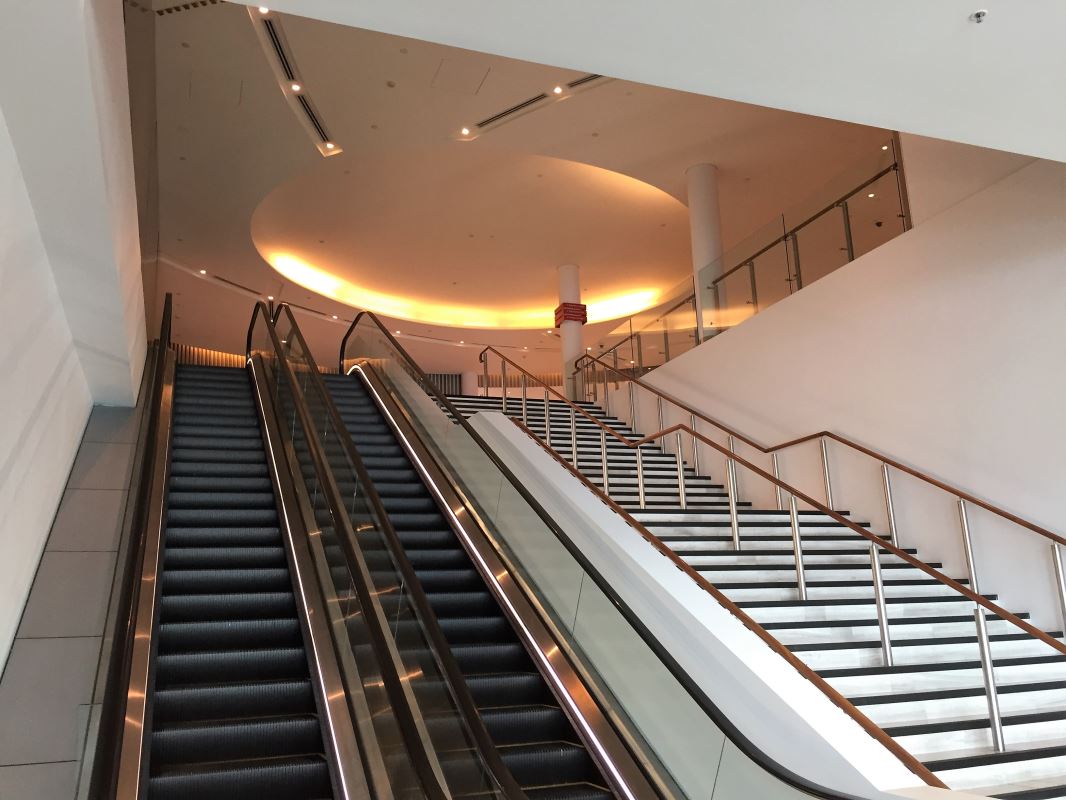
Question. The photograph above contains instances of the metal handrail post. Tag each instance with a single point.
(661, 424)
(503, 386)
(633, 405)
(754, 289)
(825, 473)
(778, 493)
(848, 242)
(547, 419)
(967, 547)
(603, 462)
(890, 511)
(573, 437)
(525, 415)
(606, 395)
(988, 676)
(797, 548)
(485, 374)
(695, 445)
(680, 475)
(640, 478)
(879, 603)
(731, 488)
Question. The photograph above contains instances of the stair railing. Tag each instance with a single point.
(877, 543)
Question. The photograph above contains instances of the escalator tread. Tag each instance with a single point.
(533, 735)
(234, 712)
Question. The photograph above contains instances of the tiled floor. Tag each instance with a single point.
(46, 692)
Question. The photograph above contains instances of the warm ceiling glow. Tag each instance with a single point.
(430, 312)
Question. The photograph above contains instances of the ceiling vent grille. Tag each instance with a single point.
(527, 105)
(179, 7)
(279, 49)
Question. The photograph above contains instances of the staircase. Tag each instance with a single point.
(932, 701)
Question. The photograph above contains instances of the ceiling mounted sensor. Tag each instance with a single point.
(267, 25)
(542, 100)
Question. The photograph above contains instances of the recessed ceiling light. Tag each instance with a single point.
(884, 147)
(334, 316)
(465, 131)
(871, 194)
(632, 362)
(547, 331)
(203, 272)
(296, 87)
(397, 333)
(330, 145)
(270, 297)
(588, 348)
(461, 342)
(525, 348)
(264, 10)
(558, 90)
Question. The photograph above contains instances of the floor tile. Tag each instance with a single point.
(101, 466)
(88, 519)
(44, 684)
(69, 595)
(108, 424)
(39, 781)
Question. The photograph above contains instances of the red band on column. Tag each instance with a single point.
(571, 312)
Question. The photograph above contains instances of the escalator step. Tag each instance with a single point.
(222, 537)
(303, 778)
(233, 634)
(192, 517)
(223, 557)
(228, 701)
(485, 658)
(523, 724)
(182, 669)
(547, 764)
(202, 607)
(236, 740)
(209, 581)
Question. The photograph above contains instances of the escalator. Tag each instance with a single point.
(233, 709)
(533, 735)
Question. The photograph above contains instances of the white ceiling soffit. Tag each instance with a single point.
(912, 65)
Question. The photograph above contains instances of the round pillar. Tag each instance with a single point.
(569, 318)
(705, 227)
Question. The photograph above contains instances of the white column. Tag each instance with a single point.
(469, 383)
(570, 330)
(705, 224)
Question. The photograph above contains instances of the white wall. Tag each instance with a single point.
(943, 349)
(44, 397)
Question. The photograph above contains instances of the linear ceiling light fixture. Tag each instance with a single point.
(271, 37)
(557, 92)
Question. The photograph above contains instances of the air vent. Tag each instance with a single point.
(527, 105)
(177, 8)
(236, 285)
(272, 38)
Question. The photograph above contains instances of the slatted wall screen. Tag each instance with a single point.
(203, 357)
(515, 381)
(450, 383)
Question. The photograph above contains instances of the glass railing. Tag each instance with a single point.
(388, 644)
(858, 210)
(668, 721)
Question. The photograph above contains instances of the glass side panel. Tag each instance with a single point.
(669, 729)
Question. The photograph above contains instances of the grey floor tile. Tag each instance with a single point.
(107, 424)
(69, 595)
(88, 519)
(45, 683)
(39, 781)
(101, 466)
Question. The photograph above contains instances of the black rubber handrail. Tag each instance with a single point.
(104, 780)
(441, 649)
(708, 706)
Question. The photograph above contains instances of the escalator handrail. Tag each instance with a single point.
(702, 700)
(104, 778)
(442, 651)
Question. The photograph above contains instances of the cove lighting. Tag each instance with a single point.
(427, 311)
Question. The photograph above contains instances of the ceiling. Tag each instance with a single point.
(447, 235)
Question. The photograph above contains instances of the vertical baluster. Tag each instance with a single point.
(606, 394)
(988, 676)
(662, 425)
(796, 261)
(797, 548)
(731, 488)
(573, 436)
(640, 478)
(680, 475)
(547, 419)
(847, 230)
(754, 289)
(886, 482)
(485, 374)
(879, 603)
(1060, 578)
(603, 462)
(525, 400)
(633, 405)
(503, 386)
(778, 492)
(825, 474)
(695, 445)
(967, 547)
